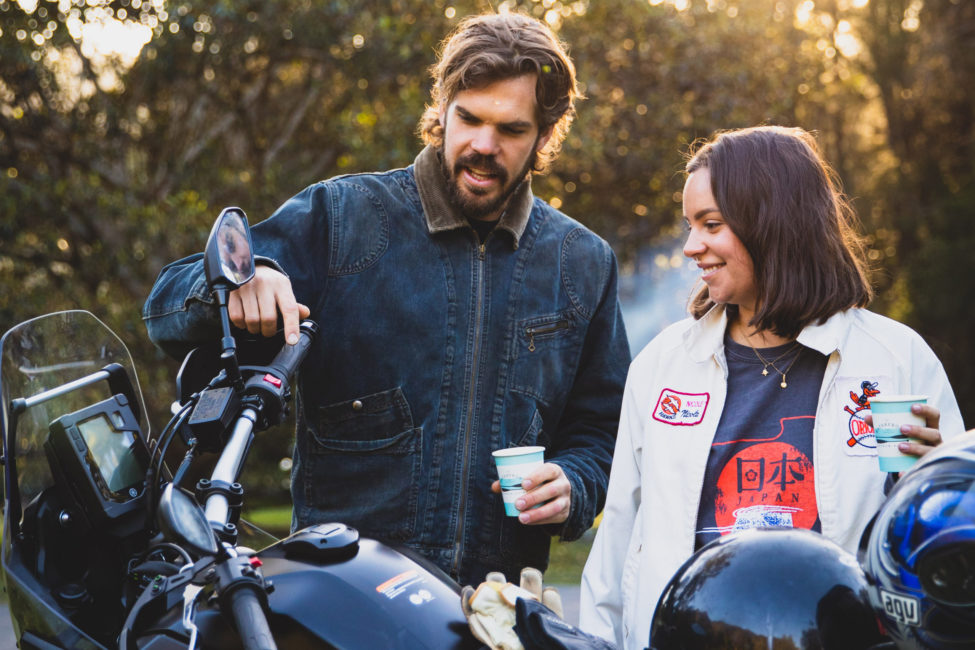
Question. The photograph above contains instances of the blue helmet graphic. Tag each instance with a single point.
(919, 553)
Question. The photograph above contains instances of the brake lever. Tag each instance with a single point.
(190, 595)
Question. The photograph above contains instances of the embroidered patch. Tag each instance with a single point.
(855, 393)
(681, 409)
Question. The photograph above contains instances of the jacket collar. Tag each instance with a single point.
(705, 337)
(441, 215)
(829, 336)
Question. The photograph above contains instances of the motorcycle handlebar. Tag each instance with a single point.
(290, 357)
(273, 386)
(255, 633)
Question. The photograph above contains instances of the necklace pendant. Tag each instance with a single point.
(765, 372)
(783, 384)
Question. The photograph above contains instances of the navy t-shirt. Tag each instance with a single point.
(760, 470)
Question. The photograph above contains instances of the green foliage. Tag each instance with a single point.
(657, 80)
(111, 168)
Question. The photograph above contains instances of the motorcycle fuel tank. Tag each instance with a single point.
(359, 593)
(332, 589)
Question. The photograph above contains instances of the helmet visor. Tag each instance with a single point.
(947, 574)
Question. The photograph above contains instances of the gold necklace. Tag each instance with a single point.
(766, 364)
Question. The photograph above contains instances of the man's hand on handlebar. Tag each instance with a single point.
(255, 306)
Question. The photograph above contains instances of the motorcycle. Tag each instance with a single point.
(104, 547)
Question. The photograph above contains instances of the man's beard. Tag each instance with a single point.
(472, 203)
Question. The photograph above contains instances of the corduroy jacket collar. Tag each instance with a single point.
(441, 215)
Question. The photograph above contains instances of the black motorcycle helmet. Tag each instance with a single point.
(919, 552)
(763, 588)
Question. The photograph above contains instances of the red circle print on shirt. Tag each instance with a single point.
(766, 484)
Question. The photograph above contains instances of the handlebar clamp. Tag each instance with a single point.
(232, 492)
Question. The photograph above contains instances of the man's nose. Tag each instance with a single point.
(485, 141)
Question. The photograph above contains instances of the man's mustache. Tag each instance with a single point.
(482, 163)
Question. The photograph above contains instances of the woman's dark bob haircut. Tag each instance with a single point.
(783, 201)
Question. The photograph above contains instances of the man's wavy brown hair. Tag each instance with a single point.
(492, 47)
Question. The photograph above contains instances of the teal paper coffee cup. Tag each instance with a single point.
(514, 464)
(889, 413)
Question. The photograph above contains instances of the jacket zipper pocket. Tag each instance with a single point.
(542, 330)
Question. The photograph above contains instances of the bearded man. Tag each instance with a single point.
(459, 314)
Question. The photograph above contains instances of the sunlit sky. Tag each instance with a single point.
(105, 35)
(102, 34)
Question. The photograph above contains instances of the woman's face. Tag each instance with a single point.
(726, 267)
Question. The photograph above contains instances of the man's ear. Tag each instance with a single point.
(543, 138)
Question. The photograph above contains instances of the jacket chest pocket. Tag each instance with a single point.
(364, 464)
(546, 354)
(545, 330)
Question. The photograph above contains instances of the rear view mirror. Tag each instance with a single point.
(229, 257)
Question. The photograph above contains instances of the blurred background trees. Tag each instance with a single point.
(126, 125)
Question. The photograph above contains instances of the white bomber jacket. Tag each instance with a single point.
(674, 396)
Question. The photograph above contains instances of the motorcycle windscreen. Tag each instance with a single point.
(39, 355)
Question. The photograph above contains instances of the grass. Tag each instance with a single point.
(566, 559)
(274, 519)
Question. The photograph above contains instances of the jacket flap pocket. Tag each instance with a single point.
(367, 421)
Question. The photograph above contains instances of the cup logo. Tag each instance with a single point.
(514, 464)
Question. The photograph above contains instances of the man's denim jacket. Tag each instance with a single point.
(434, 350)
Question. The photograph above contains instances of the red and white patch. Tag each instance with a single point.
(681, 409)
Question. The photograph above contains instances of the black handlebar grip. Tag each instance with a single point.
(255, 634)
(286, 363)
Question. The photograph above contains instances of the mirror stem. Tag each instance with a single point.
(229, 354)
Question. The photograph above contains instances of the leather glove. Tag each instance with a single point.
(490, 609)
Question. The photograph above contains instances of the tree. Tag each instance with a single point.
(111, 167)
(922, 58)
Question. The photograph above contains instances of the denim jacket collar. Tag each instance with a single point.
(441, 215)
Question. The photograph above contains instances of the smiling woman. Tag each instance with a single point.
(783, 289)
